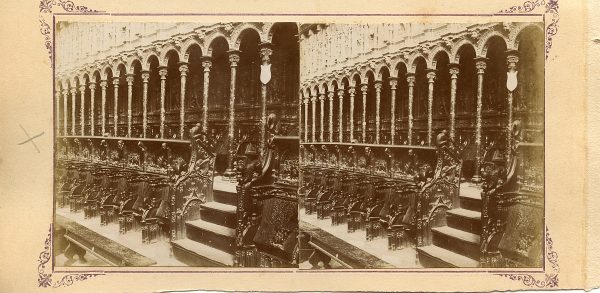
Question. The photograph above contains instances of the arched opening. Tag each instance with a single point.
(401, 125)
(97, 114)
(494, 100)
(335, 110)
(371, 108)
(316, 104)
(194, 88)
(218, 99)
(283, 88)
(77, 106)
(346, 110)
(87, 101)
(61, 109)
(466, 107)
(441, 94)
(248, 86)
(325, 113)
(357, 111)
(385, 106)
(420, 102)
(529, 98)
(122, 102)
(172, 95)
(137, 101)
(153, 102)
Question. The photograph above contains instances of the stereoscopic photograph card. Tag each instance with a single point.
(323, 145)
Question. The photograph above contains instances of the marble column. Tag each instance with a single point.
(162, 72)
(145, 78)
(183, 71)
(82, 112)
(330, 96)
(103, 85)
(234, 59)
(92, 86)
(378, 85)
(430, 81)
(352, 92)
(305, 119)
(116, 106)
(410, 78)
(363, 91)
(57, 97)
(65, 93)
(480, 64)
(341, 117)
(73, 110)
(393, 85)
(321, 120)
(313, 101)
(512, 59)
(265, 55)
(453, 67)
(129, 100)
(206, 64)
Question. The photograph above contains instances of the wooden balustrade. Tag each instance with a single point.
(513, 204)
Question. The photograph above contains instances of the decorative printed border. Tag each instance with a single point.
(549, 279)
(46, 11)
(551, 7)
(45, 277)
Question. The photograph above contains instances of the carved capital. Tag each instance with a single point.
(82, 89)
(352, 91)
(330, 95)
(321, 97)
(480, 64)
(183, 68)
(341, 93)
(92, 85)
(129, 79)
(453, 69)
(115, 81)
(145, 76)
(206, 63)
(431, 75)
(512, 59)
(313, 99)
(162, 72)
(266, 49)
(378, 85)
(234, 57)
(363, 88)
(306, 101)
(65, 92)
(410, 78)
(393, 83)
(103, 84)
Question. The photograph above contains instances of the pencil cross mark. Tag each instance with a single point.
(30, 139)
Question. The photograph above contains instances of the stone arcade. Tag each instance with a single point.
(427, 140)
(164, 152)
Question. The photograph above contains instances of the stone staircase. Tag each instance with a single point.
(457, 244)
(210, 240)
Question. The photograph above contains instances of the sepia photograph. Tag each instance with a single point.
(299, 145)
(177, 144)
(422, 145)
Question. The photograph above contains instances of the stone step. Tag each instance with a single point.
(436, 257)
(461, 242)
(463, 219)
(225, 197)
(470, 197)
(219, 213)
(197, 254)
(211, 234)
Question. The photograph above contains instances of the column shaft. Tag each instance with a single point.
(82, 112)
(163, 79)
(116, 107)
(378, 86)
(393, 85)
(363, 91)
(206, 64)
(103, 85)
(129, 101)
(92, 110)
(411, 85)
(341, 117)
(183, 70)
(453, 79)
(480, 65)
(431, 80)
(145, 78)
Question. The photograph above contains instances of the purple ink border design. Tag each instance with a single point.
(45, 277)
